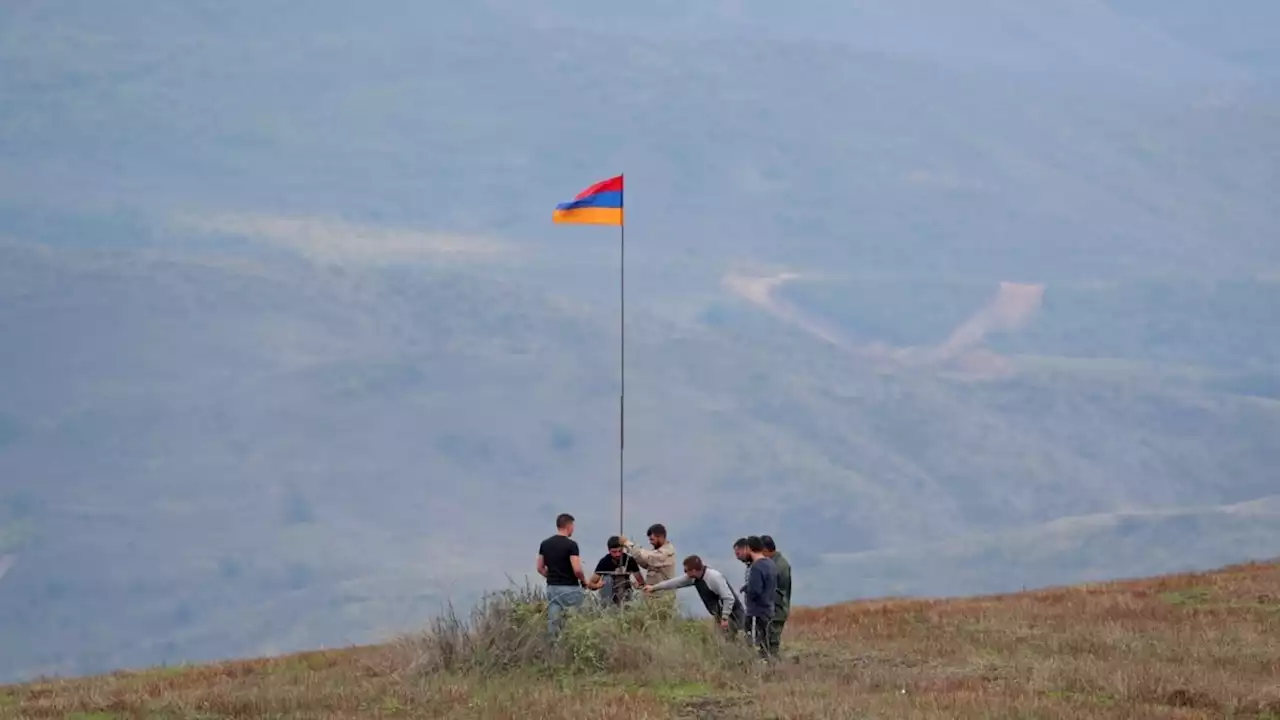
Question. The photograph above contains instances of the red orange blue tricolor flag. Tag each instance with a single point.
(600, 204)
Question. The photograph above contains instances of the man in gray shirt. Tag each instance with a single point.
(717, 595)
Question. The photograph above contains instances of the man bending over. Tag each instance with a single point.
(716, 593)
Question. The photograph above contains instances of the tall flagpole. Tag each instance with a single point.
(622, 361)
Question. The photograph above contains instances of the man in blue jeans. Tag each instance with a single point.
(560, 564)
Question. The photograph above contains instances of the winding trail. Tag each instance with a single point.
(1013, 307)
(760, 291)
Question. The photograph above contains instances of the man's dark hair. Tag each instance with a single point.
(767, 541)
(694, 563)
(754, 544)
(739, 543)
(563, 520)
(614, 542)
(657, 529)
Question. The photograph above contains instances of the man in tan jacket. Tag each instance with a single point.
(660, 562)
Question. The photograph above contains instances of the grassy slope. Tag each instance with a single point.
(1185, 646)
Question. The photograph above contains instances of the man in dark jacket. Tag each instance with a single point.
(761, 595)
(782, 607)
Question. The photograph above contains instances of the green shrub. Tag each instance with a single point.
(507, 633)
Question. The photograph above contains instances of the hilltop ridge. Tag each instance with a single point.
(1193, 645)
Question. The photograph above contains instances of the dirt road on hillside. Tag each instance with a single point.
(760, 291)
(1012, 308)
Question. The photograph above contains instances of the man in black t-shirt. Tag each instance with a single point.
(560, 564)
(617, 571)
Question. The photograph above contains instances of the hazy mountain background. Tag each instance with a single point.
(947, 299)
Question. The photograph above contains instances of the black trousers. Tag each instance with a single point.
(737, 622)
(776, 626)
(758, 631)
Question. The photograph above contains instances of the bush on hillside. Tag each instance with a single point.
(507, 632)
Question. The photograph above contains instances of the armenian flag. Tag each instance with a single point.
(600, 204)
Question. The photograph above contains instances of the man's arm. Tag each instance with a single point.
(542, 565)
(636, 577)
(651, 559)
(645, 558)
(675, 583)
(577, 568)
(597, 578)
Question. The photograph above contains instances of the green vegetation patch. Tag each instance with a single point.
(1191, 597)
(648, 642)
(680, 692)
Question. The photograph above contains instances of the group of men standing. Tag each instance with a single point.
(759, 608)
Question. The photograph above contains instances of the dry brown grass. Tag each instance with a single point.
(1188, 646)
